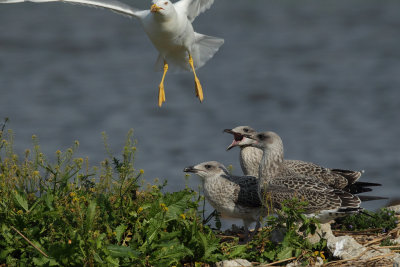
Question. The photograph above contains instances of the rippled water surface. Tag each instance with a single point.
(325, 75)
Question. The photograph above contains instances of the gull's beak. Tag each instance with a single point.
(228, 131)
(234, 142)
(154, 8)
(190, 169)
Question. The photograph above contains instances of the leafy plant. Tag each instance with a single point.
(383, 218)
(285, 238)
(64, 212)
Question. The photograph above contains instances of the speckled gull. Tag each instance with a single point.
(169, 27)
(278, 183)
(232, 196)
(345, 180)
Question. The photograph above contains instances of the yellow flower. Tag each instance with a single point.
(72, 194)
(319, 254)
(36, 173)
(141, 171)
(183, 216)
(164, 207)
(20, 212)
(140, 210)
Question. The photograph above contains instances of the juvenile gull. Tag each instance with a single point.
(232, 196)
(250, 158)
(169, 27)
(278, 183)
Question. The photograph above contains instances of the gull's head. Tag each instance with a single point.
(207, 169)
(265, 140)
(239, 138)
(162, 7)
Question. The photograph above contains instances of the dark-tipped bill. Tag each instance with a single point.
(190, 169)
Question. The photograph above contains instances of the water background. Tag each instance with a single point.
(325, 75)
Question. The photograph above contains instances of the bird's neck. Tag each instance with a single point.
(165, 18)
(271, 162)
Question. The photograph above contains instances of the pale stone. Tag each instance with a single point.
(233, 263)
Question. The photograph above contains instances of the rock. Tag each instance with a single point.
(277, 235)
(344, 247)
(324, 231)
(319, 262)
(233, 263)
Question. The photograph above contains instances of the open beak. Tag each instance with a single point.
(154, 8)
(237, 138)
(190, 169)
(228, 131)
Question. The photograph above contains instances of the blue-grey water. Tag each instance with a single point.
(325, 75)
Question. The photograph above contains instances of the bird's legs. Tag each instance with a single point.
(161, 92)
(199, 90)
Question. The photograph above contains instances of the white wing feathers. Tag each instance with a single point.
(193, 8)
(113, 5)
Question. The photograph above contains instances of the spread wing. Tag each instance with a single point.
(112, 5)
(192, 8)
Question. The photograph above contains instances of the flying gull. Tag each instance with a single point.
(250, 158)
(278, 183)
(232, 196)
(169, 27)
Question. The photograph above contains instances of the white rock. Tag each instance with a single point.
(324, 231)
(233, 263)
(344, 247)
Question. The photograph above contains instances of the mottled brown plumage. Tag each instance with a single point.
(278, 183)
(250, 158)
(232, 196)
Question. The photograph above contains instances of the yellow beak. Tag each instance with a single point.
(155, 8)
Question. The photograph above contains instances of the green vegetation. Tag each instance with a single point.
(382, 219)
(61, 211)
(66, 213)
(283, 238)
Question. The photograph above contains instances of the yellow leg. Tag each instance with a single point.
(161, 92)
(199, 89)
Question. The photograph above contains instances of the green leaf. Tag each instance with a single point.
(91, 211)
(285, 253)
(48, 198)
(21, 201)
(119, 231)
(97, 258)
(121, 251)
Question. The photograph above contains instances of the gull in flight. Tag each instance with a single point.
(169, 27)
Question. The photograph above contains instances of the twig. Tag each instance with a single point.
(394, 246)
(27, 240)
(276, 262)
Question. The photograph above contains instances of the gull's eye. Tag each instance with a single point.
(246, 130)
(207, 166)
(261, 137)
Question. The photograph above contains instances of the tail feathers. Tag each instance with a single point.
(348, 201)
(360, 187)
(204, 48)
(371, 198)
(351, 176)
